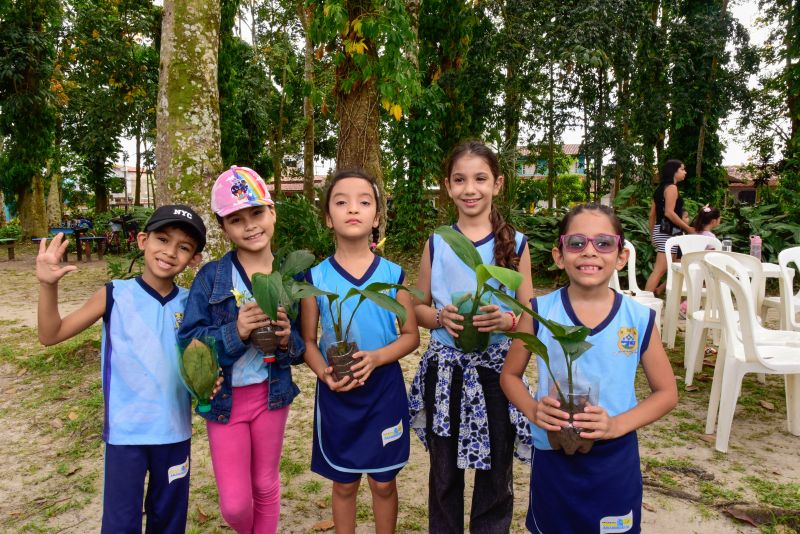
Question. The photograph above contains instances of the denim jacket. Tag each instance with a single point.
(211, 311)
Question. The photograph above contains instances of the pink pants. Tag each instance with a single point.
(246, 454)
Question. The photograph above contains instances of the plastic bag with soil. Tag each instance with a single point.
(568, 439)
(470, 339)
(340, 357)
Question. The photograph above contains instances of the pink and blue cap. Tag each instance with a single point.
(238, 188)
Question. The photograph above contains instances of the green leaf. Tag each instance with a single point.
(296, 262)
(533, 344)
(508, 277)
(386, 302)
(462, 246)
(268, 292)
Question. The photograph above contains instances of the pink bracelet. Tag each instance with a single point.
(513, 321)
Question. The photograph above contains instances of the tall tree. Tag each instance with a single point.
(27, 110)
(367, 80)
(188, 142)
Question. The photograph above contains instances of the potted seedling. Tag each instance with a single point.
(572, 394)
(279, 288)
(468, 303)
(340, 353)
(199, 370)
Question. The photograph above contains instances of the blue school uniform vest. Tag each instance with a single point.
(250, 367)
(145, 401)
(617, 345)
(364, 430)
(449, 275)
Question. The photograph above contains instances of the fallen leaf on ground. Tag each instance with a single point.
(57, 423)
(708, 363)
(325, 524)
(322, 503)
(709, 438)
(767, 405)
(202, 517)
(691, 388)
(741, 515)
(648, 507)
(72, 416)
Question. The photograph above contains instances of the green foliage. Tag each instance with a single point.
(541, 230)
(27, 102)
(299, 225)
(199, 371)
(11, 230)
(281, 288)
(778, 229)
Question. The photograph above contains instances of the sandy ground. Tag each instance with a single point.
(44, 490)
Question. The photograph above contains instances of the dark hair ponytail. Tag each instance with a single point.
(704, 217)
(505, 245)
(668, 171)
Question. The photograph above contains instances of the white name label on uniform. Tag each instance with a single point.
(619, 523)
(393, 433)
(178, 471)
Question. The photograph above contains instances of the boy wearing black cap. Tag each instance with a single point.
(147, 412)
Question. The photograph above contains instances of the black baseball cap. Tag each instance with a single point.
(181, 215)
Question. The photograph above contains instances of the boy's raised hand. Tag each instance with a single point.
(48, 269)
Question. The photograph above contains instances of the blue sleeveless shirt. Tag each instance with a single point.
(617, 345)
(145, 400)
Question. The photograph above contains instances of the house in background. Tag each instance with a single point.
(538, 169)
(741, 183)
(126, 197)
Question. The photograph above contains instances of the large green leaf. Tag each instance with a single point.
(386, 302)
(384, 286)
(462, 246)
(268, 292)
(533, 344)
(508, 277)
(296, 262)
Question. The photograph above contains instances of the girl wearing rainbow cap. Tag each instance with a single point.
(248, 416)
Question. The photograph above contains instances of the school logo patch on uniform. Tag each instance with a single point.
(178, 471)
(619, 523)
(178, 320)
(393, 433)
(628, 340)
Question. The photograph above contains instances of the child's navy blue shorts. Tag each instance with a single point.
(600, 491)
(167, 500)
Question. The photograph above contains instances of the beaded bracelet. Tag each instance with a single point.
(513, 321)
(438, 318)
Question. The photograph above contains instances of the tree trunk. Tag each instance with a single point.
(188, 137)
(358, 115)
(54, 215)
(31, 208)
(277, 152)
(701, 137)
(2, 208)
(308, 111)
(137, 188)
(551, 169)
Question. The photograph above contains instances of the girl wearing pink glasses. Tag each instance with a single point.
(600, 490)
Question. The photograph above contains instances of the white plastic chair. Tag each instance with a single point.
(687, 244)
(633, 285)
(702, 314)
(787, 304)
(750, 348)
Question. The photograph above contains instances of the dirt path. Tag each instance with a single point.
(52, 454)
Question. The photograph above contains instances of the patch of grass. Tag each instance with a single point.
(290, 468)
(712, 492)
(311, 486)
(775, 493)
(667, 480)
(686, 427)
(674, 463)
(363, 511)
(74, 353)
